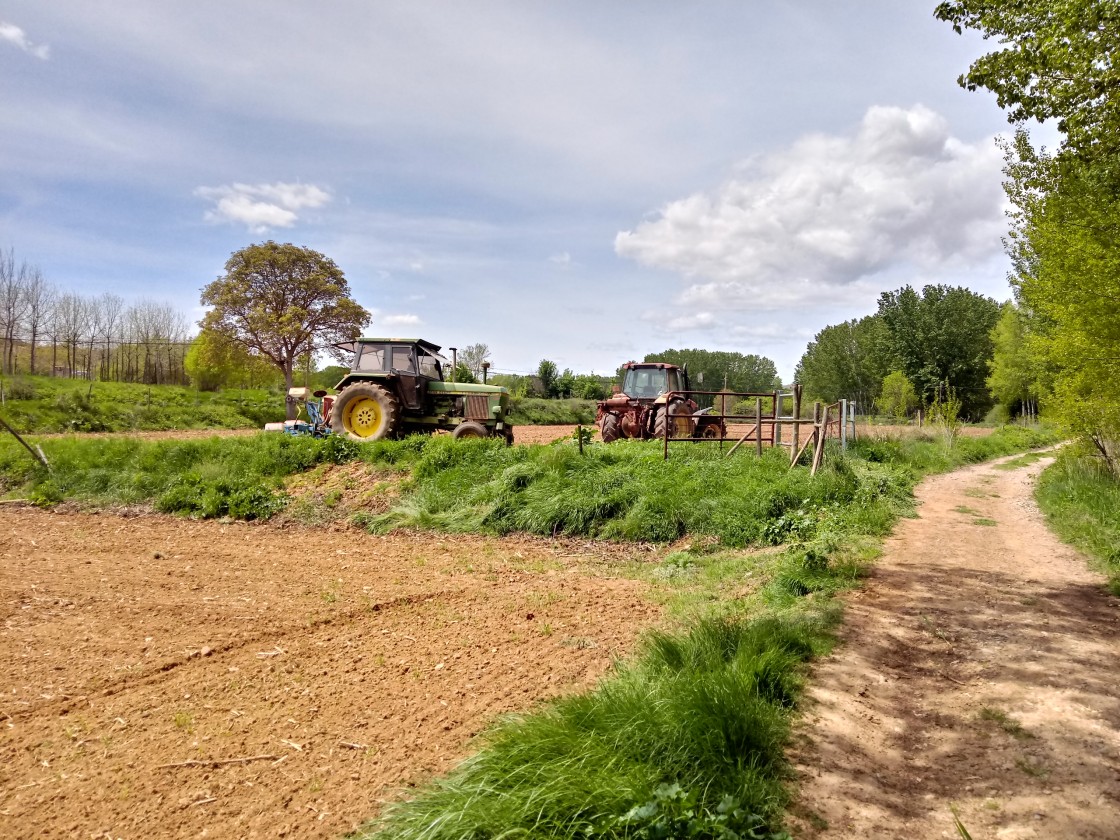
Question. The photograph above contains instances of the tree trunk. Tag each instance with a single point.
(292, 411)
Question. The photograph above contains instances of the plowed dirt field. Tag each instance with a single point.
(166, 678)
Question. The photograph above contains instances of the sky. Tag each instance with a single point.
(585, 181)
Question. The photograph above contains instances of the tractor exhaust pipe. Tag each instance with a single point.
(454, 361)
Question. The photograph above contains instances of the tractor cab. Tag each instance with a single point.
(414, 357)
(650, 381)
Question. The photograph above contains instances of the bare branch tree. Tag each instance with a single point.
(40, 297)
(13, 304)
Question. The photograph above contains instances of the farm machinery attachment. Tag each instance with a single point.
(318, 413)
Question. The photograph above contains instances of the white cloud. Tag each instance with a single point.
(563, 259)
(14, 35)
(816, 223)
(261, 206)
(401, 321)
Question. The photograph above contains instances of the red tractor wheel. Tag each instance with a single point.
(608, 428)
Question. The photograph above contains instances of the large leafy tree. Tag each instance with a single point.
(1066, 250)
(214, 362)
(282, 301)
(942, 336)
(1058, 61)
(742, 372)
(847, 361)
(1014, 371)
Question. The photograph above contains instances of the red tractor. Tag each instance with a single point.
(654, 394)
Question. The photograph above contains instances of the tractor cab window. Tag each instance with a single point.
(429, 364)
(672, 380)
(402, 360)
(371, 358)
(644, 383)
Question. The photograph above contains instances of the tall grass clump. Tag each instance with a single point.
(685, 741)
(1081, 500)
(628, 491)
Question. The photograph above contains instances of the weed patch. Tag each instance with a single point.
(1081, 501)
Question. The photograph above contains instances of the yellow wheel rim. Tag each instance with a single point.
(364, 417)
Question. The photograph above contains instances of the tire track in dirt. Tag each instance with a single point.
(977, 670)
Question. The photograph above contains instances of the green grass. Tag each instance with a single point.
(213, 477)
(42, 404)
(1081, 500)
(1005, 722)
(534, 411)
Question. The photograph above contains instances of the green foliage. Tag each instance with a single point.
(846, 361)
(945, 413)
(46, 405)
(1058, 61)
(214, 362)
(282, 301)
(1066, 251)
(743, 372)
(942, 335)
(1081, 501)
(535, 411)
(546, 373)
(238, 477)
(1016, 370)
(462, 373)
(327, 378)
(898, 397)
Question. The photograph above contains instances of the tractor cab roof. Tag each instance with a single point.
(352, 346)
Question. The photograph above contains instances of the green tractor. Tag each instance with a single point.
(395, 387)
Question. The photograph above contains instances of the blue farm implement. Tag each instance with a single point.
(317, 411)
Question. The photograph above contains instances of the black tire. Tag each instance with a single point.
(470, 429)
(364, 411)
(669, 414)
(608, 428)
(710, 431)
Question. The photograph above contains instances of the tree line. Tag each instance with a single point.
(47, 330)
(918, 348)
(1059, 344)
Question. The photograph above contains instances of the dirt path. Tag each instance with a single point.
(162, 678)
(978, 669)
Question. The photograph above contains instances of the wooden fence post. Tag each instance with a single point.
(796, 423)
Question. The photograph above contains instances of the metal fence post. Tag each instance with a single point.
(843, 425)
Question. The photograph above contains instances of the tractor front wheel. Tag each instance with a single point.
(470, 429)
(364, 411)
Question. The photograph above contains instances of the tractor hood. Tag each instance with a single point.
(465, 388)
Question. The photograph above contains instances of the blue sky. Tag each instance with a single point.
(580, 181)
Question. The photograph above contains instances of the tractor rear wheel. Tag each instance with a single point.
(364, 411)
(677, 416)
(470, 429)
(608, 428)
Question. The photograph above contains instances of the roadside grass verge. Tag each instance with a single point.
(1081, 501)
(44, 404)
